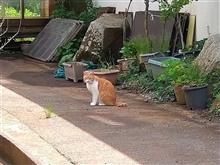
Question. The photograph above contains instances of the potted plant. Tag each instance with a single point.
(108, 74)
(175, 72)
(195, 88)
(156, 66)
(128, 52)
(106, 70)
(135, 50)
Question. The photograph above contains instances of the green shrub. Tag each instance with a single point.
(61, 12)
(87, 15)
(183, 73)
(67, 51)
(145, 84)
(136, 46)
(174, 72)
(90, 14)
(128, 50)
(142, 45)
(12, 12)
(194, 76)
(160, 45)
(213, 80)
(215, 106)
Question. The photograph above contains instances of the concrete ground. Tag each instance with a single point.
(142, 133)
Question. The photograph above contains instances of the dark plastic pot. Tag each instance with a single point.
(196, 97)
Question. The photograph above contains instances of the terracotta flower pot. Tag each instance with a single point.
(180, 94)
(124, 63)
(108, 74)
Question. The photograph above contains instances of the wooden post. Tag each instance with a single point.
(146, 21)
(46, 7)
(22, 9)
(51, 6)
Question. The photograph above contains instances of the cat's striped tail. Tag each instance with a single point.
(119, 104)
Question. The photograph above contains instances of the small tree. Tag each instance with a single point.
(172, 9)
(168, 9)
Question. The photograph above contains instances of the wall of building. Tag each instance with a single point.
(207, 13)
(207, 17)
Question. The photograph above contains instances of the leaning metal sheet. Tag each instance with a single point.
(55, 34)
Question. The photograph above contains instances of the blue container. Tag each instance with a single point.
(156, 65)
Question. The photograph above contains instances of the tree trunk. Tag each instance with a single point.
(146, 17)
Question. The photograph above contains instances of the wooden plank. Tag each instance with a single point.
(30, 27)
(191, 31)
(27, 22)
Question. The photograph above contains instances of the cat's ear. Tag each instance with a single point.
(86, 73)
(92, 73)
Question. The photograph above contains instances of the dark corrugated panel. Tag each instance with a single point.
(155, 24)
(56, 33)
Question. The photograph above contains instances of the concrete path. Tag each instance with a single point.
(142, 133)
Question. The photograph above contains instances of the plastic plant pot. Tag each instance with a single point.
(156, 65)
(196, 97)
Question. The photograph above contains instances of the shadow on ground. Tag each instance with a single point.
(146, 133)
(32, 78)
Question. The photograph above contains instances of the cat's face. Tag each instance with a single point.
(88, 77)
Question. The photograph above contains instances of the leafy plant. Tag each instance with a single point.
(90, 13)
(194, 76)
(175, 72)
(67, 51)
(161, 89)
(183, 73)
(215, 107)
(60, 11)
(136, 46)
(198, 45)
(142, 45)
(145, 84)
(49, 112)
(170, 9)
(87, 15)
(128, 50)
(213, 80)
(159, 44)
(12, 12)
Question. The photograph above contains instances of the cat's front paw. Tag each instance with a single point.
(92, 104)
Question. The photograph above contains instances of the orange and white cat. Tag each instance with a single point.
(102, 90)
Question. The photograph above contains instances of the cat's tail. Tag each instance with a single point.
(119, 104)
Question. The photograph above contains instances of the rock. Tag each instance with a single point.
(209, 58)
(103, 39)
